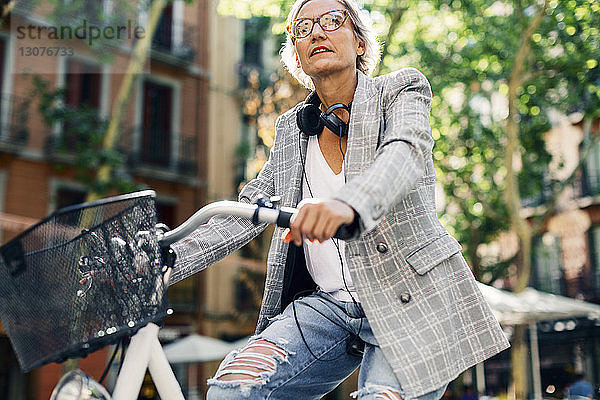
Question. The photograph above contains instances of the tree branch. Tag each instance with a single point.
(528, 76)
(134, 69)
(394, 24)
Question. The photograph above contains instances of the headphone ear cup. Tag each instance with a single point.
(335, 124)
(308, 119)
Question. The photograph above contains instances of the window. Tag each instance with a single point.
(592, 171)
(82, 84)
(67, 196)
(2, 61)
(82, 93)
(94, 11)
(166, 213)
(163, 35)
(156, 124)
(248, 286)
(183, 295)
(594, 240)
(547, 265)
(255, 30)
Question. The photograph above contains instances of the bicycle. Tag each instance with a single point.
(113, 269)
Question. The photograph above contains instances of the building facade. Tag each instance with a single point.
(163, 140)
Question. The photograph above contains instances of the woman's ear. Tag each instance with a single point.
(360, 51)
(297, 60)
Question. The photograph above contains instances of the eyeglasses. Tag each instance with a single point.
(329, 22)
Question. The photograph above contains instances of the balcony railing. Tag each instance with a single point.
(150, 155)
(154, 152)
(174, 40)
(14, 115)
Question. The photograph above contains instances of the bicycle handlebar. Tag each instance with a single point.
(281, 217)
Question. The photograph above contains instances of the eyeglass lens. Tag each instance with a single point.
(329, 21)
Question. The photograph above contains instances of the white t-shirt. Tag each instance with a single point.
(323, 260)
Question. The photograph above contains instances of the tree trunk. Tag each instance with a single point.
(513, 198)
(519, 360)
(134, 69)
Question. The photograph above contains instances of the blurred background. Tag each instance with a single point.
(183, 100)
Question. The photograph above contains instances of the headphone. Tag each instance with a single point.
(311, 120)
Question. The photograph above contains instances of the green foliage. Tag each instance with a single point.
(80, 142)
(469, 57)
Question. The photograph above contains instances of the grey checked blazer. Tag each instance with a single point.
(417, 291)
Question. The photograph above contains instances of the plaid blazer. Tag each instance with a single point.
(418, 293)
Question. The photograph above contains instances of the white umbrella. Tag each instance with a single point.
(531, 305)
(197, 348)
(545, 306)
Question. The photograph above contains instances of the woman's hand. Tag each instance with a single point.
(319, 219)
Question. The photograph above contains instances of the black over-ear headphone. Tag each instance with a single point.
(311, 120)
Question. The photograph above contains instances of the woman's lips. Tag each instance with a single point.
(319, 50)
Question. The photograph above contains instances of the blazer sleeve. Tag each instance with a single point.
(222, 235)
(400, 158)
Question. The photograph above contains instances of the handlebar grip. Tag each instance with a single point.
(344, 232)
(284, 218)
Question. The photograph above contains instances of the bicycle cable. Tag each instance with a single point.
(112, 358)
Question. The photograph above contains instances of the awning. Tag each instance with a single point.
(532, 305)
(197, 348)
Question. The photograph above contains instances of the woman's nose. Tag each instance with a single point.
(317, 31)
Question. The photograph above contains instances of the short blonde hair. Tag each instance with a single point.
(363, 30)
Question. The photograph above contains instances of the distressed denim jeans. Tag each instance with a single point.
(288, 363)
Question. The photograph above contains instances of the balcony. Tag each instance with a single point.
(14, 115)
(172, 43)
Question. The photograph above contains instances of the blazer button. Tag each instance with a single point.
(382, 247)
(405, 297)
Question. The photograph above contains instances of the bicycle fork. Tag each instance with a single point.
(144, 352)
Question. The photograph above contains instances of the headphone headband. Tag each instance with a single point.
(311, 120)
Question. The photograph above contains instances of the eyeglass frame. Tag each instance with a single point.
(289, 27)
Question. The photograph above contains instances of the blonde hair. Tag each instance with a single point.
(363, 30)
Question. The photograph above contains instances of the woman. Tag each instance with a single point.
(398, 299)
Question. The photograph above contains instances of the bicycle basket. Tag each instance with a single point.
(81, 279)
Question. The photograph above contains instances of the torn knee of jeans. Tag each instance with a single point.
(277, 317)
(251, 366)
(378, 392)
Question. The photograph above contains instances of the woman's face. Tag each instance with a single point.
(323, 53)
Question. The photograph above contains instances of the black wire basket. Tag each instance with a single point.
(81, 279)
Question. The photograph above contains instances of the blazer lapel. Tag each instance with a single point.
(293, 175)
(363, 129)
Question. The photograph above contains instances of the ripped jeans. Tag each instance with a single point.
(276, 364)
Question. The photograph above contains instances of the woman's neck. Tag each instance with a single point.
(336, 88)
